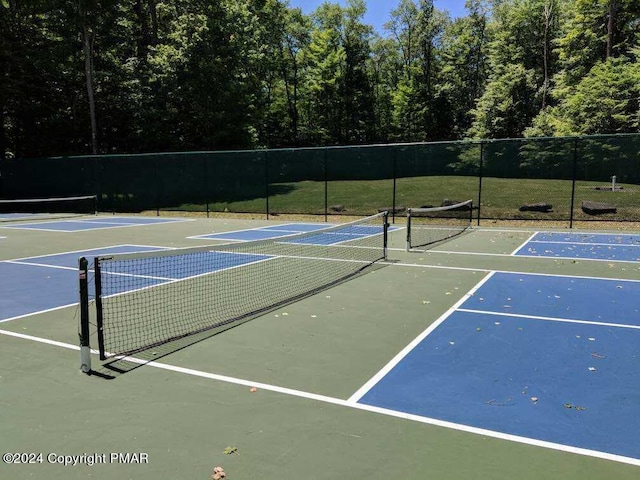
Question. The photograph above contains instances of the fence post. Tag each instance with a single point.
(266, 180)
(326, 190)
(156, 170)
(573, 180)
(480, 180)
(205, 172)
(393, 208)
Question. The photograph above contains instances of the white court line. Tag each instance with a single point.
(37, 228)
(594, 234)
(211, 236)
(33, 264)
(587, 244)
(539, 257)
(38, 312)
(609, 260)
(91, 250)
(405, 351)
(550, 319)
(522, 245)
(204, 235)
(177, 280)
(514, 272)
(348, 404)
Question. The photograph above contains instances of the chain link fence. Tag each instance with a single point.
(562, 180)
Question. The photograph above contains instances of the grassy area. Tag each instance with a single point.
(501, 197)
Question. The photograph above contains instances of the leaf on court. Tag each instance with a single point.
(230, 451)
(592, 369)
(284, 314)
(597, 355)
(592, 339)
(452, 343)
(218, 473)
(534, 399)
(447, 293)
(618, 286)
(424, 302)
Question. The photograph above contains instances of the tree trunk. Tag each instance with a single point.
(87, 42)
(614, 5)
(548, 14)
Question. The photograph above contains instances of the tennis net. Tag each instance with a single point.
(427, 226)
(146, 299)
(26, 208)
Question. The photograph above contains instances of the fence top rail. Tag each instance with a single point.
(265, 151)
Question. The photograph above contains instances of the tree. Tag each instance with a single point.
(520, 66)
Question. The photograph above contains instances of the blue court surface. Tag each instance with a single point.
(36, 284)
(43, 283)
(20, 216)
(553, 359)
(592, 246)
(170, 269)
(333, 237)
(92, 223)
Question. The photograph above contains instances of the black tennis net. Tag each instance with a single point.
(147, 299)
(25, 208)
(428, 226)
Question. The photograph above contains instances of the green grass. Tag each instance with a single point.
(501, 197)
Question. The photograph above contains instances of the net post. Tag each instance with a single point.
(408, 229)
(85, 345)
(99, 310)
(385, 236)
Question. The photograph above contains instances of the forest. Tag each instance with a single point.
(130, 76)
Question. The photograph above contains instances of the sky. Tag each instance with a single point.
(378, 10)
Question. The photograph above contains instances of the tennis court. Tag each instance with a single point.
(500, 353)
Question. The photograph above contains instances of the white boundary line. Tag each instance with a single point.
(539, 257)
(204, 235)
(522, 245)
(405, 351)
(550, 319)
(90, 250)
(350, 404)
(32, 264)
(38, 312)
(594, 234)
(513, 272)
(211, 236)
(35, 226)
(588, 244)
(177, 280)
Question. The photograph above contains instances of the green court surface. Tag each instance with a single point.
(272, 397)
